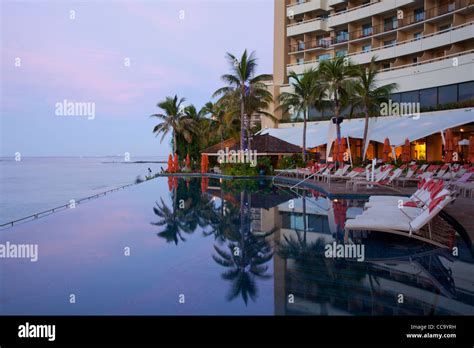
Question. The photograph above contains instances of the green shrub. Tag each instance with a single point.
(239, 169)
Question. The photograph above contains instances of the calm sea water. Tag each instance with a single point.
(205, 247)
(36, 184)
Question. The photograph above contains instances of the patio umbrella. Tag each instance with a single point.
(176, 163)
(170, 164)
(342, 149)
(386, 150)
(335, 151)
(188, 161)
(206, 162)
(202, 162)
(406, 151)
(471, 149)
(448, 146)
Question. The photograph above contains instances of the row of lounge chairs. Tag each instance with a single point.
(459, 176)
(415, 216)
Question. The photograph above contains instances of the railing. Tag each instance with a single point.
(282, 172)
(428, 61)
(387, 27)
(302, 181)
(62, 207)
(396, 43)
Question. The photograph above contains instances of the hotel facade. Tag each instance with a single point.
(425, 46)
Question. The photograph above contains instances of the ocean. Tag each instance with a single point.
(35, 184)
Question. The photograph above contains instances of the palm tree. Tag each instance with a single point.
(337, 81)
(221, 116)
(307, 93)
(242, 82)
(197, 125)
(172, 120)
(367, 96)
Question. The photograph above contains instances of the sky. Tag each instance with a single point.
(118, 58)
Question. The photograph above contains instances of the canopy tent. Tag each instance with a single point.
(396, 128)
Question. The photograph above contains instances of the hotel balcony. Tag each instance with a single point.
(306, 27)
(450, 69)
(299, 7)
(375, 7)
(439, 39)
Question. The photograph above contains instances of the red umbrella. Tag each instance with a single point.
(188, 161)
(170, 164)
(203, 159)
(335, 151)
(342, 149)
(170, 183)
(406, 152)
(448, 146)
(471, 149)
(176, 163)
(386, 150)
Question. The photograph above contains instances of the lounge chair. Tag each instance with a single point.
(418, 223)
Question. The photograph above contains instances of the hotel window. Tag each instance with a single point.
(390, 23)
(419, 15)
(428, 97)
(410, 97)
(324, 57)
(448, 94)
(300, 61)
(389, 43)
(395, 98)
(300, 45)
(386, 66)
(445, 27)
(466, 91)
(366, 48)
(342, 36)
(366, 30)
(418, 36)
(341, 53)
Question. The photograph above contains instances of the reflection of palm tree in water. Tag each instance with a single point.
(188, 211)
(246, 256)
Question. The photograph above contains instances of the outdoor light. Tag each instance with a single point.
(337, 120)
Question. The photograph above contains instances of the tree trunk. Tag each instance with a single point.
(338, 126)
(366, 130)
(175, 142)
(304, 135)
(242, 123)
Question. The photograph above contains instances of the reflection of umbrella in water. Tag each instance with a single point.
(204, 184)
(175, 182)
(170, 183)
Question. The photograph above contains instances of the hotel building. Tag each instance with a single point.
(425, 46)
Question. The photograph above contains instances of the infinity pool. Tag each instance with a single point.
(173, 246)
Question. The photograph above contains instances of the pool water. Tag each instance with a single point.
(173, 246)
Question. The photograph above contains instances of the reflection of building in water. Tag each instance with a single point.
(431, 281)
(393, 266)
